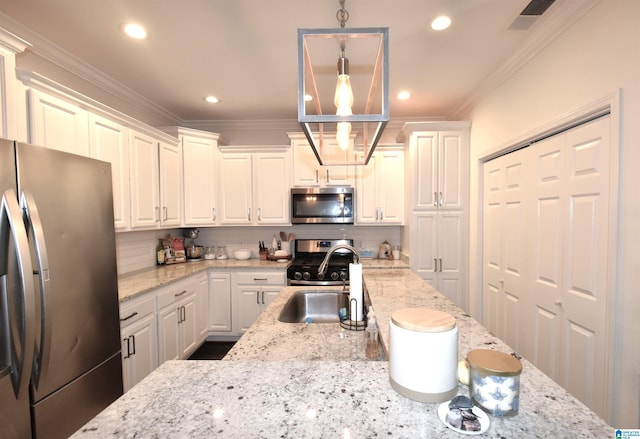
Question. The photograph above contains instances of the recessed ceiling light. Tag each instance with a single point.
(212, 99)
(440, 23)
(135, 31)
(404, 95)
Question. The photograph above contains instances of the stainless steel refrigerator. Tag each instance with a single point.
(60, 359)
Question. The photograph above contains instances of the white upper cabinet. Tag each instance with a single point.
(254, 188)
(170, 184)
(440, 161)
(109, 141)
(380, 188)
(58, 124)
(145, 190)
(307, 172)
(200, 169)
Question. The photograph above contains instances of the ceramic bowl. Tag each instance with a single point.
(242, 253)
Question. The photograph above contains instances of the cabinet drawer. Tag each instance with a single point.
(262, 278)
(133, 310)
(173, 293)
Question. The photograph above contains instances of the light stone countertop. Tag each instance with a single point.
(260, 392)
(319, 399)
(133, 284)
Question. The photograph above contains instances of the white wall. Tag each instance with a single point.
(596, 57)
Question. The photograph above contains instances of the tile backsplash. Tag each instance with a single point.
(137, 250)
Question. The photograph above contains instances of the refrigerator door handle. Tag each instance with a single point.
(31, 218)
(11, 223)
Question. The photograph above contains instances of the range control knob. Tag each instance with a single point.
(343, 275)
(334, 275)
(320, 276)
(306, 275)
(297, 275)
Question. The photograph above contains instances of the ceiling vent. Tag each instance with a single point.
(530, 14)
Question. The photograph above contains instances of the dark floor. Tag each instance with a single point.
(212, 350)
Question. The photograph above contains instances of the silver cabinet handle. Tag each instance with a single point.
(328, 176)
(381, 214)
(258, 297)
(156, 216)
(259, 279)
(11, 222)
(166, 213)
(435, 199)
(440, 265)
(263, 297)
(213, 213)
(259, 214)
(441, 199)
(182, 293)
(377, 214)
(435, 265)
(317, 177)
(184, 313)
(249, 214)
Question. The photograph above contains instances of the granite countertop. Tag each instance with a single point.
(261, 391)
(133, 284)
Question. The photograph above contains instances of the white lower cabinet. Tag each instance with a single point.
(177, 334)
(253, 292)
(202, 308)
(220, 303)
(139, 339)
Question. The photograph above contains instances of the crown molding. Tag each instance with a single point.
(59, 57)
(12, 42)
(563, 15)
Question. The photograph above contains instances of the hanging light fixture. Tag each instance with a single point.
(343, 130)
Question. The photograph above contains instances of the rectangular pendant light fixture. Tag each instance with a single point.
(343, 92)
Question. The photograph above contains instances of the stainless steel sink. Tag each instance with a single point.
(313, 306)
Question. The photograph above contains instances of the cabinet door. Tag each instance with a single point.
(145, 194)
(380, 189)
(249, 307)
(271, 185)
(168, 334)
(268, 295)
(451, 265)
(200, 172)
(452, 170)
(305, 165)
(139, 350)
(390, 187)
(307, 172)
(235, 189)
(202, 308)
(424, 254)
(109, 141)
(57, 124)
(187, 327)
(367, 195)
(170, 184)
(424, 159)
(220, 302)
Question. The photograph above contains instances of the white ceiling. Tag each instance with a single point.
(244, 51)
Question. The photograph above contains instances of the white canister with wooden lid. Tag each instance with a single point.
(423, 354)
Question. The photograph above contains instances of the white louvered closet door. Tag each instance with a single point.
(546, 268)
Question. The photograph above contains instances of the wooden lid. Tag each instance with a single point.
(423, 320)
(494, 363)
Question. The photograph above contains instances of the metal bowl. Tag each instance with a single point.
(194, 252)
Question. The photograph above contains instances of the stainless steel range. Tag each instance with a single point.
(309, 254)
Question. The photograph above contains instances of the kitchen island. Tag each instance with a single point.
(279, 381)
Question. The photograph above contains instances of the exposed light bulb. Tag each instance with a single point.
(343, 101)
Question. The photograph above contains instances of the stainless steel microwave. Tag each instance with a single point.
(334, 205)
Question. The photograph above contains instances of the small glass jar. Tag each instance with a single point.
(494, 381)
